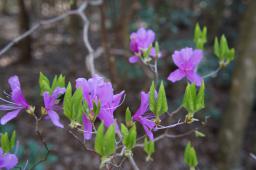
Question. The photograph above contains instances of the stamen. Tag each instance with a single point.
(110, 108)
(8, 101)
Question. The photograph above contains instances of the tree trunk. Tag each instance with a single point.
(240, 105)
(104, 36)
(25, 44)
(74, 22)
(4, 7)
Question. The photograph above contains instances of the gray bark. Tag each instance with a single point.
(235, 119)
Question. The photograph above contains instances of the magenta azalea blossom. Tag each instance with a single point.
(140, 116)
(17, 103)
(87, 128)
(7, 160)
(140, 42)
(97, 90)
(50, 102)
(187, 61)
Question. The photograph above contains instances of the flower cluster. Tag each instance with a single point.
(140, 42)
(97, 91)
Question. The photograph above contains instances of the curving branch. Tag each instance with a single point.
(80, 12)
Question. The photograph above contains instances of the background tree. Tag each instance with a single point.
(235, 119)
(24, 25)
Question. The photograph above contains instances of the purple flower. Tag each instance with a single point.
(97, 90)
(140, 116)
(7, 160)
(17, 103)
(140, 42)
(50, 103)
(87, 128)
(187, 61)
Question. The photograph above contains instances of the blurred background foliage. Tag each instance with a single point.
(59, 48)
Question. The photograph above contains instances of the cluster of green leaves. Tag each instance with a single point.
(105, 143)
(44, 83)
(149, 147)
(129, 136)
(73, 104)
(190, 157)
(222, 50)
(7, 143)
(158, 101)
(193, 101)
(200, 36)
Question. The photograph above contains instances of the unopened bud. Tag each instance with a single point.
(31, 110)
(43, 111)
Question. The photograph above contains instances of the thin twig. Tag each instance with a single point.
(169, 126)
(212, 74)
(166, 135)
(133, 163)
(79, 141)
(38, 133)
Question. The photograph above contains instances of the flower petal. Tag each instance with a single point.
(9, 107)
(134, 59)
(9, 116)
(58, 91)
(177, 58)
(144, 103)
(186, 53)
(153, 53)
(87, 128)
(176, 75)
(196, 57)
(117, 99)
(55, 118)
(149, 133)
(107, 117)
(14, 82)
(105, 94)
(10, 161)
(193, 77)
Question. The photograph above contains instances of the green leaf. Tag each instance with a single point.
(96, 109)
(200, 98)
(77, 105)
(131, 141)
(109, 142)
(149, 147)
(230, 55)
(197, 32)
(99, 140)
(13, 139)
(67, 104)
(161, 105)
(189, 98)
(73, 106)
(200, 36)
(5, 142)
(128, 117)
(152, 100)
(44, 83)
(157, 48)
(190, 157)
(216, 47)
(223, 46)
(124, 131)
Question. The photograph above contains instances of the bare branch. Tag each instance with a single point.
(80, 12)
